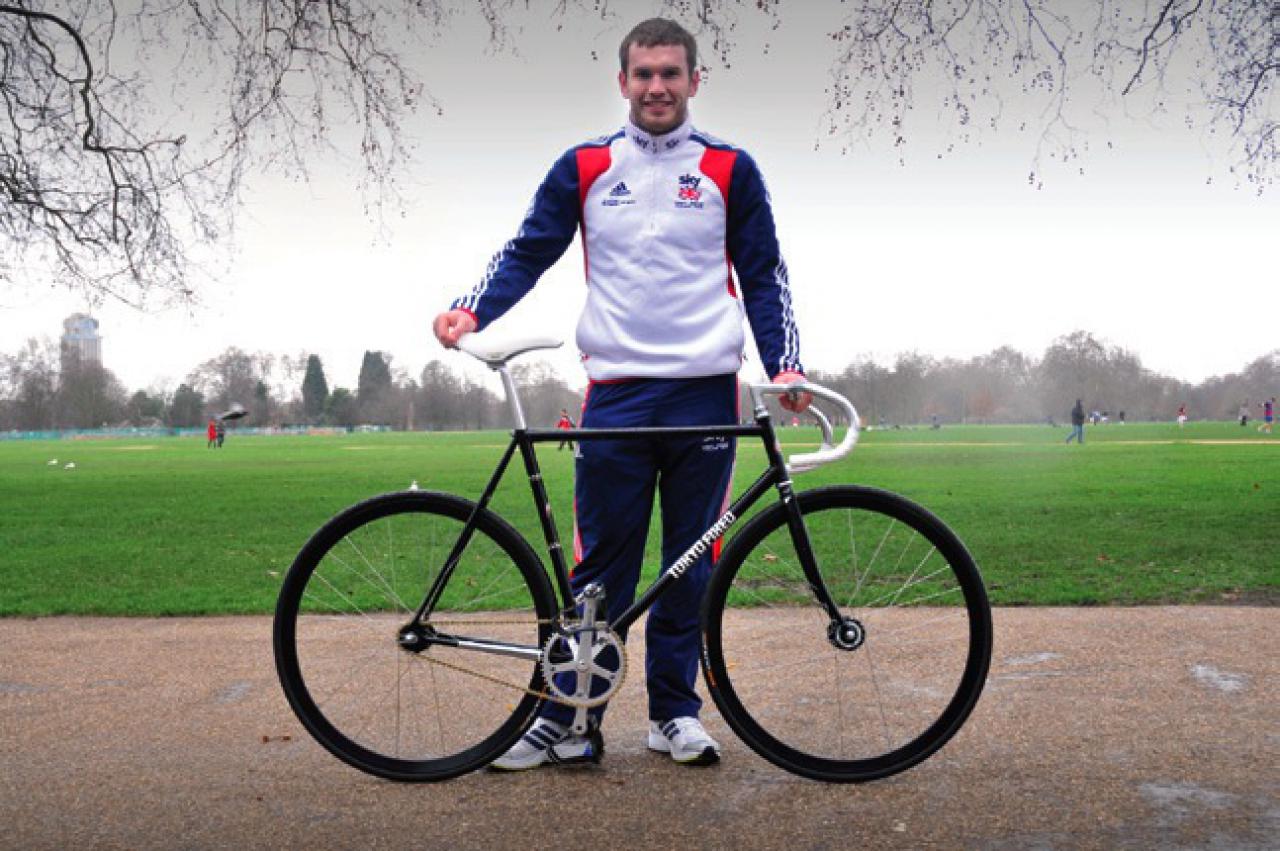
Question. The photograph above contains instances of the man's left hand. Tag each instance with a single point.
(798, 402)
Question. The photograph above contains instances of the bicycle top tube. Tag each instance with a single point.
(497, 353)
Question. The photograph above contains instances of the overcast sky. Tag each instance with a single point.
(950, 257)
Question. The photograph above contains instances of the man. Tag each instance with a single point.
(665, 213)
(1077, 423)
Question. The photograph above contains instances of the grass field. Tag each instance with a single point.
(1143, 513)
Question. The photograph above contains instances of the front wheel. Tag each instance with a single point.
(874, 692)
(419, 712)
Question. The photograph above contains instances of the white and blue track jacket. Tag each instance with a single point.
(666, 221)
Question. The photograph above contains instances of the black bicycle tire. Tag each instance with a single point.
(284, 635)
(719, 677)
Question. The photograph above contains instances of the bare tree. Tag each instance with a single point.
(128, 127)
(30, 382)
(1223, 396)
(1066, 61)
(543, 394)
(108, 180)
(234, 377)
(1073, 367)
(89, 395)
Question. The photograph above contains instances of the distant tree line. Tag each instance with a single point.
(43, 388)
(1006, 386)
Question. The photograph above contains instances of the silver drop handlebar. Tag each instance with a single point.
(829, 451)
(496, 354)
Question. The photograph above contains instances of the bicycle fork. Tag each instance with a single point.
(843, 631)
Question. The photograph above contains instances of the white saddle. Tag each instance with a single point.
(495, 352)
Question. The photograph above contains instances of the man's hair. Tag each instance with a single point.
(657, 32)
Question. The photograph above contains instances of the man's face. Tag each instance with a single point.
(658, 84)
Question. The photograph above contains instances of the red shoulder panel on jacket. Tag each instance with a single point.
(718, 165)
(592, 162)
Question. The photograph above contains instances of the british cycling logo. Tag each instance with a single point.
(688, 194)
(619, 195)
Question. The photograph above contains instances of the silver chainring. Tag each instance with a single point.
(568, 642)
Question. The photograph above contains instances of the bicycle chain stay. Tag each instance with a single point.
(546, 694)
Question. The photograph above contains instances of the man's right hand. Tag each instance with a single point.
(451, 325)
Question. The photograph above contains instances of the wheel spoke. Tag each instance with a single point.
(857, 590)
(381, 582)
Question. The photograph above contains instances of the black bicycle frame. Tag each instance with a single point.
(775, 475)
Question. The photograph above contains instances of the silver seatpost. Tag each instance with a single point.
(513, 395)
(496, 353)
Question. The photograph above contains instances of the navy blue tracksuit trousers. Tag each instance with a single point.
(614, 487)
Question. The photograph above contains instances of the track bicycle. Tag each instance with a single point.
(846, 632)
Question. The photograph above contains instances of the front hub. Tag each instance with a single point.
(846, 633)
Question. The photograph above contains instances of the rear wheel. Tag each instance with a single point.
(412, 714)
(888, 684)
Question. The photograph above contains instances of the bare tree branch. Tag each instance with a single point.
(97, 192)
(127, 131)
(1150, 41)
(892, 54)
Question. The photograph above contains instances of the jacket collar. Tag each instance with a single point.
(647, 143)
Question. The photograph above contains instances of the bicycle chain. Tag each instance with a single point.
(544, 695)
(539, 694)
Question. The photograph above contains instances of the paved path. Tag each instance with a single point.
(1099, 728)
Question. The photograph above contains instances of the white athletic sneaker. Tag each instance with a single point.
(548, 742)
(685, 740)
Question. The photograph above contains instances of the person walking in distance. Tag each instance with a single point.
(680, 245)
(1268, 414)
(565, 422)
(1077, 423)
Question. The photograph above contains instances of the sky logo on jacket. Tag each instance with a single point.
(688, 194)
